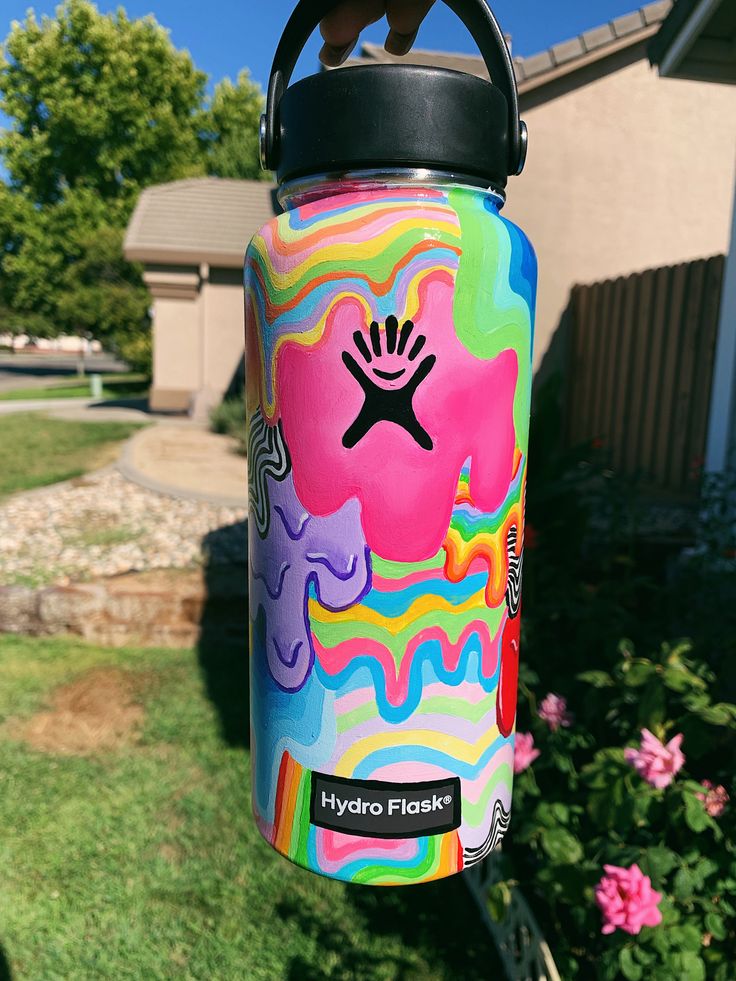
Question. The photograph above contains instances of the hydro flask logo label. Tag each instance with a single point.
(385, 810)
(389, 380)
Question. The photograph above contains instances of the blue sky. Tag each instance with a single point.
(227, 35)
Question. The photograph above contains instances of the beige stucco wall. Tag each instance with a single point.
(197, 315)
(627, 172)
(176, 353)
(223, 313)
(176, 324)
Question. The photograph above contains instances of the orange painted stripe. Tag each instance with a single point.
(305, 241)
(274, 310)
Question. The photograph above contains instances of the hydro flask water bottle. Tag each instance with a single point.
(389, 317)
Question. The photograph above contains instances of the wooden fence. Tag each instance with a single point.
(640, 371)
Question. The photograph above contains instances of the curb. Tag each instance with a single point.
(128, 470)
(39, 405)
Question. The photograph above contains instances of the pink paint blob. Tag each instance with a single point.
(406, 490)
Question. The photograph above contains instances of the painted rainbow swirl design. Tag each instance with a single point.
(402, 680)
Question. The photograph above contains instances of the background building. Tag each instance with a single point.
(627, 171)
(191, 236)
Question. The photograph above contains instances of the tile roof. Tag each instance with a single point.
(202, 219)
(539, 68)
(209, 219)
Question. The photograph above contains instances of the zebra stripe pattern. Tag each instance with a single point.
(268, 456)
(499, 827)
(516, 564)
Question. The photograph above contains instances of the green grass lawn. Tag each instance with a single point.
(36, 450)
(113, 387)
(143, 862)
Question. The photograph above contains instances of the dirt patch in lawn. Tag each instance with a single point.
(98, 711)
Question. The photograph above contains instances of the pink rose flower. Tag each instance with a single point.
(714, 798)
(654, 761)
(627, 900)
(524, 752)
(553, 709)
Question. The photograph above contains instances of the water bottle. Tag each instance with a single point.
(389, 318)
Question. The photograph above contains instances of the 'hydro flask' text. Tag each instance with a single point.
(385, 810)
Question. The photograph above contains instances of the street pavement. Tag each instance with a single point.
(40, 370)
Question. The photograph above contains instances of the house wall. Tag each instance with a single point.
(197, 323)
(721, 449)
(626, 172)
(223, 312)
(177, 335)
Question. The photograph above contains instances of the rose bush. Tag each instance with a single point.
(623, 832)
(585, 817)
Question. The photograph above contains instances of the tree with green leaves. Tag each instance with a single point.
(101, 106)
(97, 101)
(231, 129)
(102, 295)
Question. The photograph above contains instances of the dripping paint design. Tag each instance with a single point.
(388, 370)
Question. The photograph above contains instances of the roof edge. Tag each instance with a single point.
(587, 59)
(534, 71)
(676, 33)
(228, 259)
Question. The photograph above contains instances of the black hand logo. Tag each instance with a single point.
(388, 401)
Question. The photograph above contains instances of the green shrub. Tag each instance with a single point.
(136, 349)
(228, 418)
(591, 577)
(581, 805)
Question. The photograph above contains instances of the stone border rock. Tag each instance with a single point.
(163, 608)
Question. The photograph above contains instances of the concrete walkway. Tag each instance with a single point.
(119, 410)
(171, 455)
(184, 459)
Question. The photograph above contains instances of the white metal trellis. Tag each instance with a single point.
(523, 950)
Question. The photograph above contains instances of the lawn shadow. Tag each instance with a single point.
(223, 640)
(439, 919)
(5, 974)
(138, 404)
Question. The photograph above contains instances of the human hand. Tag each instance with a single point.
(341, 27)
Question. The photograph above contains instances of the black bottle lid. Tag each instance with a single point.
(388, 116)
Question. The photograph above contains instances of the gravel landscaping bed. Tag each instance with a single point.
(103, 525)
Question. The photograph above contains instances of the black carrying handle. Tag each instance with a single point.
(475, 14)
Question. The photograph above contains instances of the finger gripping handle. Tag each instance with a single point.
(475, 14)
